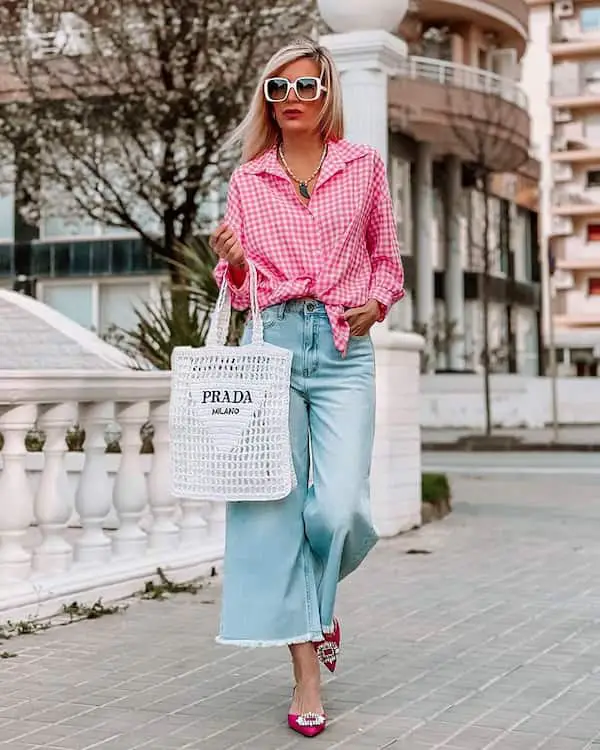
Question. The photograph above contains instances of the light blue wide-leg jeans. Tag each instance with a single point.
(284, 559)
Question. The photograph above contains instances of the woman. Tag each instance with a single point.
(313, 213)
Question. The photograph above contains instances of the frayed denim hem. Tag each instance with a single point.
(308, 638)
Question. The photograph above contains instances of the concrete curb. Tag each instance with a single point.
(480, 446)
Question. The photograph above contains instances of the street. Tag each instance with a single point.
(521, 464)
(480, 632)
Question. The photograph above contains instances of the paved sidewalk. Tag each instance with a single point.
(490, 641)
(573, 438)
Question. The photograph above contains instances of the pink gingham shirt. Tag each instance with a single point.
(341, 248)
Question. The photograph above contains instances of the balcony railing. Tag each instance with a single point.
(86, 522)
(463, 76)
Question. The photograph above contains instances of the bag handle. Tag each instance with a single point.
(219, 324)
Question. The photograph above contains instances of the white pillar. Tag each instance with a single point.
(365, 60)
(53, 505)
(366, 54)
(454, 279)
(130, 491)
(164, 534)
(16, 496)
(93, 499)
(422, 239)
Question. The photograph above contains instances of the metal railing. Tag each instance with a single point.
(464, 76)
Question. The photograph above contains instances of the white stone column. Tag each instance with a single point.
(365, 60)
(366, 54)
(164, 534)
(93, 496)
(422, 239)
(130, 491)
(53, 505)
(454, 278)
(16, 496)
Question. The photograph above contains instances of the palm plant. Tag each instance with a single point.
(182, 314)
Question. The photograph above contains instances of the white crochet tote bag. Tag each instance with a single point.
(229, 414)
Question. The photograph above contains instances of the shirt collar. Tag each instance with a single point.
(339, 154)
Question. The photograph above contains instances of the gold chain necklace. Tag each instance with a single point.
(302, 184)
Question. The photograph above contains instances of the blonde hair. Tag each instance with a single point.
(259, 132)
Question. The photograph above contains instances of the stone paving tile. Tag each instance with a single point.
(492, 642)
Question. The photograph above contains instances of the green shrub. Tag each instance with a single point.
(435, 488)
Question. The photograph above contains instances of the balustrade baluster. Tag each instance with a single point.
(16, 496)
(93, 497)
(215, 516)
(52, 502)
(193, 525)
(164, 534)
(130, 493)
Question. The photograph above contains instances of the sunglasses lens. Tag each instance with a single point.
(277, 89)
(307, 88)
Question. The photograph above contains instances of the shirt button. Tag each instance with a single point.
(310, 307)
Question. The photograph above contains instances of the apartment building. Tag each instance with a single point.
(563, 83)
(460, 87)
(463, 68)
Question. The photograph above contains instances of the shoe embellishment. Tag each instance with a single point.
(310, 720)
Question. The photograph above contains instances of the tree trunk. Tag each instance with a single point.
(486, 307)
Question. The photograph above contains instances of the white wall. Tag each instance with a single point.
(517, 401)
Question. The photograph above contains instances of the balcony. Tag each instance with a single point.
(570, 145)
(575, 254)
(574, 88)
(577, 320)
(569, 42)
(462, 110)
(573, 202)
(508, 20)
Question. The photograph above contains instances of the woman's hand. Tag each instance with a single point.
(361, 319)
(227, 246)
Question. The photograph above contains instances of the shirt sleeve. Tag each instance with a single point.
(387, 274)
(240, 295)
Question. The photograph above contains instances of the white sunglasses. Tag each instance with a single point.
(306, 88)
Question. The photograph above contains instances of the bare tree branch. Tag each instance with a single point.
(119, 111)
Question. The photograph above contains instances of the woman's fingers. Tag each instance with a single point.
(226, 245)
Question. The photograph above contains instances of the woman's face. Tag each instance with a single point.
(294, 115)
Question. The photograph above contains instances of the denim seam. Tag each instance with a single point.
(307, 605)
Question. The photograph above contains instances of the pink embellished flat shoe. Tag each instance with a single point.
(308, 725)
(329, 648)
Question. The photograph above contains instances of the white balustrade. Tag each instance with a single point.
(58, 540)
(52, 506)
(164, 532)
(16, 498)
(193, 525)
(92, 500)
(130, 493)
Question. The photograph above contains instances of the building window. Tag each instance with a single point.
(590, 18)
(593, 178)
(593, 232)
(72, 300)
(594, 286)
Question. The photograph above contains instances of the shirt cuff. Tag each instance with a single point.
(240, 295)
(384, 299)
